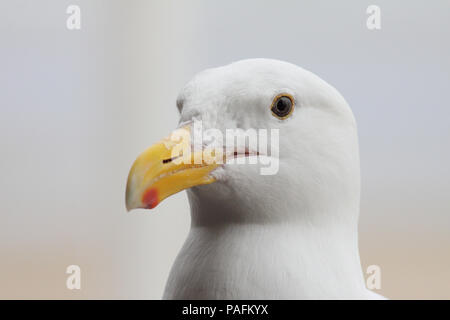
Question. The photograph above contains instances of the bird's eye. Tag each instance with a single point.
(282, 106)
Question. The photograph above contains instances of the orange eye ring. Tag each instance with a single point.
(283, 106)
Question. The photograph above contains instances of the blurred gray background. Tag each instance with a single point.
(78, 106)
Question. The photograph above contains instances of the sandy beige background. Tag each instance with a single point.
(78, 106)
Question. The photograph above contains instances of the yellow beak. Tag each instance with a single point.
(166, 168)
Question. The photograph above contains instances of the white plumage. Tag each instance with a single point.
(292, 235)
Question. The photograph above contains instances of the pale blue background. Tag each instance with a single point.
(78, 106)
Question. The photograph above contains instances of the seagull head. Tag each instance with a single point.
(304, 165)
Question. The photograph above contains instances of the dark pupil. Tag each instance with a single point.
(282, 107)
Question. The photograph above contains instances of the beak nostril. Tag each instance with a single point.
(170, 159)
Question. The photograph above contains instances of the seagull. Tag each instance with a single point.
(288, 235)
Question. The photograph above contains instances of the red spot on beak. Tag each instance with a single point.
(150, 198)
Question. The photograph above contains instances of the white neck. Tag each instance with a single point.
(247, 260)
